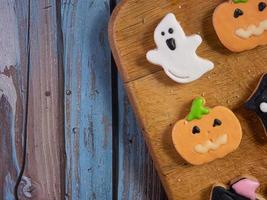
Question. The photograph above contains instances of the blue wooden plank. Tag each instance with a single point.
(88, 99)
(137, 177)
(44, 159)
(13, 73)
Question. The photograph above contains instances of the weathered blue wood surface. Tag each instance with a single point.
(84, 24)
(137, 177)
(88, 99)
(88, 77)
(13, 76)
(43, 176)
(106, 157)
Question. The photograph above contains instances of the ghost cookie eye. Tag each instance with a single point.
(217, 122)
(261, 6)
(171, 30)
(196, 130)
(162, 33)
(238, 12)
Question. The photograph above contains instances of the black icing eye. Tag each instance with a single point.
(162, 33)
(238, 13)
(261, 6)
(217, 122)
(196, 130)
(170, 30)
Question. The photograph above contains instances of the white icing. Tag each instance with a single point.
(181, 63)
(27, 185)
(209, 145)
(263, 107)
(252, 30)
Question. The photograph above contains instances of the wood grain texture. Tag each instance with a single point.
(159, 102)
(137, 177)
(88, 99)
(13, 76)
(44, 171)
(88, 112)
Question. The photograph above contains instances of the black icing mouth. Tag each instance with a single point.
(171, 44)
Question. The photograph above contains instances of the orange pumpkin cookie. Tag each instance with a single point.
(206, 134)
(241, 24)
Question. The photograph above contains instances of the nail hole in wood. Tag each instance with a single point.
(75, 130)
(68, 92)
(47, 93)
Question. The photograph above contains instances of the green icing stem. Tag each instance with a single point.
(240, 1)
(197, 109)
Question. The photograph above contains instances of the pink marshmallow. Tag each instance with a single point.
(246, 188)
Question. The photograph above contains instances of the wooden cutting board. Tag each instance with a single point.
(159, 102)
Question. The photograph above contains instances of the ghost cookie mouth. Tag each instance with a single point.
(177, 76)
(252, 30)
(171, 44)
(210, 145)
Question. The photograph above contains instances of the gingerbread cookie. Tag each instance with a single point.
(206, 133)
(241, 24)
(176, 52)
(257, 102)
(242, 188)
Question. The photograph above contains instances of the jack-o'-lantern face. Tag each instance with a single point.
(206, 134)
(241, 24)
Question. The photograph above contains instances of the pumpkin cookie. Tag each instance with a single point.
(242, 188)
(241, 24)
(206, 133)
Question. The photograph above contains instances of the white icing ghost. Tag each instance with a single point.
(176, 52)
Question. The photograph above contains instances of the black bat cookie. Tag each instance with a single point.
(222, 193)
(257, 102)
(242, 188)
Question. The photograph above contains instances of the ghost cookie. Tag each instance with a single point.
(206, 133)
(176, 52)
(257, 102)
(241, 24)
(242, 188)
